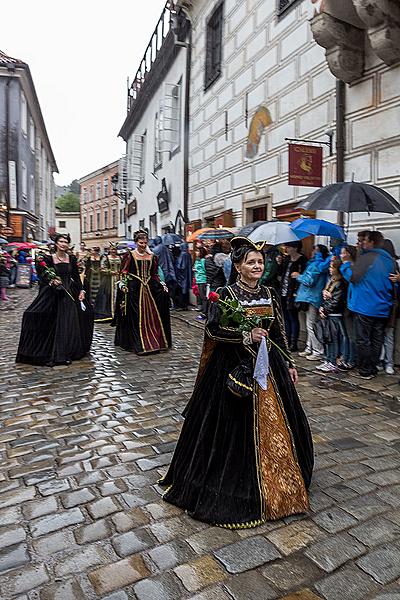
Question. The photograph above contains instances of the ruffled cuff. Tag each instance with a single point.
(247, 339)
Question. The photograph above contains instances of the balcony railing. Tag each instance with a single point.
(163, 27)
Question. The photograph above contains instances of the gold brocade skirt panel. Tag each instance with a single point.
(282, 487)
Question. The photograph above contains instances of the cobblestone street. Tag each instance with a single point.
(81, 515)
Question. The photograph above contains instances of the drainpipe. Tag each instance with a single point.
(8, 150)
(340, 136)
(186, 128)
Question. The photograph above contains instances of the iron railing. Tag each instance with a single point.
(163, 27)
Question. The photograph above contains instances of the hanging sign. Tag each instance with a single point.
(305, 165)
(163, 198)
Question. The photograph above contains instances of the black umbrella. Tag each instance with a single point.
(350, 197)
(248, 229)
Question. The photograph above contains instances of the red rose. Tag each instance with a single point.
(42, 263)
(213, 297)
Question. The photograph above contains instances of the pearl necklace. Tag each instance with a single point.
(62, 259)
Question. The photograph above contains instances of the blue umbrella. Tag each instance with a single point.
(170, 239)
(318, 227)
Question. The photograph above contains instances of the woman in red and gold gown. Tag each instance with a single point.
(142, 316)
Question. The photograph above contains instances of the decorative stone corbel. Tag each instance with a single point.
(344, 46)
(382, 18)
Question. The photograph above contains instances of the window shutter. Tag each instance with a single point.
(171, 118)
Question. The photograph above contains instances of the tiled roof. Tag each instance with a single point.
(6, 60)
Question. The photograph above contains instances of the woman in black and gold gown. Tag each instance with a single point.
(142, 308)
(55, 328)
(92, 274)
(110, 266)
(240, 461)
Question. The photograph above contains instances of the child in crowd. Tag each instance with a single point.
(333, 305)
(349, 358)
(199, 269)
(4, 279)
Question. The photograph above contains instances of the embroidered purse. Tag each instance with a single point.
(240, 380)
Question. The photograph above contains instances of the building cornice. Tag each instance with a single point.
(341, 28)
(101, 171)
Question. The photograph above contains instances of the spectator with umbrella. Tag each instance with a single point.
(309, 296)
(370, 298)
(291, 267)
(183, 271)
(215, 267)
(387, 355)
(165, 261)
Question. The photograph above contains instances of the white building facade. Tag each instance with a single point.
(69, 222)
(152, 176)
(258, 59)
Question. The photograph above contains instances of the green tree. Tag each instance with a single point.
(74, 187)
(68, 203)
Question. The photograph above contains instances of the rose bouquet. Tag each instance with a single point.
(52, 275)
(233, 314)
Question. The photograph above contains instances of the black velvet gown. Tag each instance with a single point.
(55, 330)
(241, 461)
(142, 316)
(105, 298)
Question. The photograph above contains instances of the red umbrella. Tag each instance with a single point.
(22, 245)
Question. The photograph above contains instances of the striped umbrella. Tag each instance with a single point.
(219, 233)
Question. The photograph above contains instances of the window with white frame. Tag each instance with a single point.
(172, 116)
(114, 217)
(105, 219)
(62, 224)
(32, 134)
(91, 193)
(91, 222)
(24, 180)
(84, 224)
(85, 195)
(105, 187)
(24, 114)
(98, 221)
(143, 159)
(157, 142)
(98, 190)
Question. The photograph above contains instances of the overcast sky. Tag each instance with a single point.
(80, 53)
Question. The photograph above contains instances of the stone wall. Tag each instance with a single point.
(276, 62)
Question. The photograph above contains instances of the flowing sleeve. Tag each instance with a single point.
(277, 331)
(125, 262)
(75, 272)
(154, 268)
(213, 328)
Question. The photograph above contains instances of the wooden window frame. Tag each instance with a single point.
(214, 35)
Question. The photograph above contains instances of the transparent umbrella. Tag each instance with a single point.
(276, 233)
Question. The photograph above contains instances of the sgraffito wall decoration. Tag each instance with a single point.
(261, 120)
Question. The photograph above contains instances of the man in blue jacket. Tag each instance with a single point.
(370, 298)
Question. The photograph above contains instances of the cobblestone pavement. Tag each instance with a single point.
(81, 516)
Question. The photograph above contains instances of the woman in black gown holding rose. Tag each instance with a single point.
(245, 454)
(57, 327)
